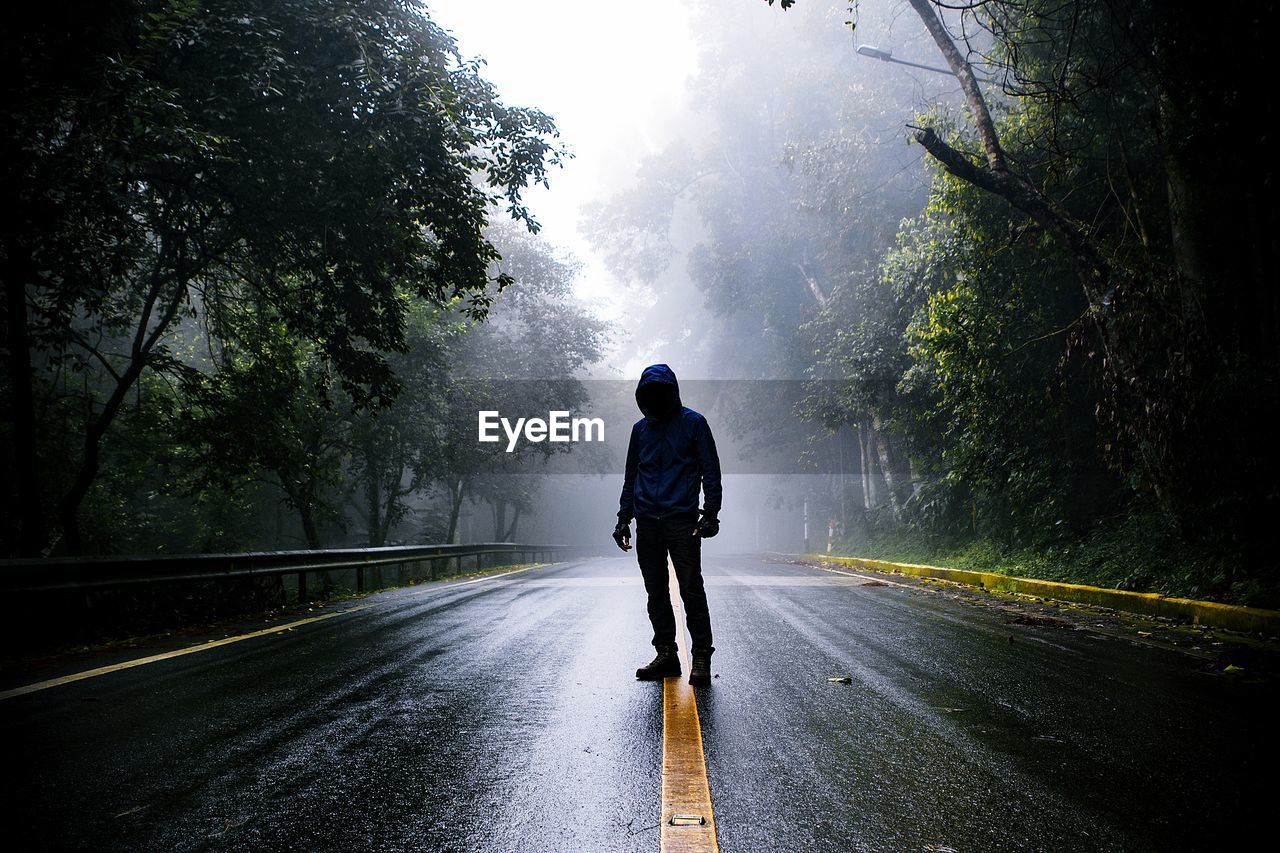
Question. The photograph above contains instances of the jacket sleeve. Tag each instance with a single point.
(709, 462)
(626, 504)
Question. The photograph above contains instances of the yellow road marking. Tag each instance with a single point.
(685, 789)
(128, 664)
(213, 644)
(876, 578)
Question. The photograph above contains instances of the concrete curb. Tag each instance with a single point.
(1209, 613)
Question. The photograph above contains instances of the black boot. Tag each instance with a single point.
(700, 668)
(665, 664)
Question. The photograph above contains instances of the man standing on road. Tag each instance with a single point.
(671, 456)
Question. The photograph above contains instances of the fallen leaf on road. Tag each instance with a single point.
(840, 679)
(228, 826)
(1233, 668)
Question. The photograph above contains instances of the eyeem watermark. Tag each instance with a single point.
(558, 427)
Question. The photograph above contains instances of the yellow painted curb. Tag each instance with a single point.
(1210, 613)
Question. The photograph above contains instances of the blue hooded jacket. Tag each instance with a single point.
(671, 455)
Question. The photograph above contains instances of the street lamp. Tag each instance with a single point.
(885, 54)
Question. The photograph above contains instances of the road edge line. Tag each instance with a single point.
(37, 686)
(186, 650)
(1208, 613)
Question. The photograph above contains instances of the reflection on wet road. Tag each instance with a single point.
(503, 715)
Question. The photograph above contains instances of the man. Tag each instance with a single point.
(671, 456)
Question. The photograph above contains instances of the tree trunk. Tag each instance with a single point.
(90, 463)
(509, 534)
(897, 481)
(307, 515)
(882, 457)
(874, 485)
(302, 495)
(896, 468)
(389, 516)
(27, 508)
(853, 508)
(862, 465)
(499, 507)
(979, 113)
(144, 343)
(373, 496)
(456, 493)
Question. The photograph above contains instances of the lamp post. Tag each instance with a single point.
(885, 54)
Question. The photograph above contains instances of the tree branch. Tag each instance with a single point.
(1091, 268)
(959, 66)
(814, 287)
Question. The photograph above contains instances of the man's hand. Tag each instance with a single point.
(707, 527)
(622, 535)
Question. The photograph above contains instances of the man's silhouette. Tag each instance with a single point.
(671, 456)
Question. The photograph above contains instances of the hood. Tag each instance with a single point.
(658, 394)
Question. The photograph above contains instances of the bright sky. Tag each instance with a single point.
(612, 75)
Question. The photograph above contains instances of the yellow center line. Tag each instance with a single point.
(225, 641)
(686, 793)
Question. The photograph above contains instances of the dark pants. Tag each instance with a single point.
(655, 539)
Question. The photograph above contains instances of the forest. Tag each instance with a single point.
(265, 261)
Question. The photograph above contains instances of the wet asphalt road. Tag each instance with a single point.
(503, 715)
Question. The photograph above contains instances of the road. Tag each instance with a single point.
(502, 714)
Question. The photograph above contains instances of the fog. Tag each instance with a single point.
(697, 131)
(989, 283)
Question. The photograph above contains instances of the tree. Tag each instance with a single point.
(790, 197)
(525, 358)
(1128, 143)
(1178, 310)
(398, 448)
(334, 159)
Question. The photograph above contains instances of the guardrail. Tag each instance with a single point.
(93, 573)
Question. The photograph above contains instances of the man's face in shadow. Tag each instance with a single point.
(658, 400)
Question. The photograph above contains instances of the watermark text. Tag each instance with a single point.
(557, 427)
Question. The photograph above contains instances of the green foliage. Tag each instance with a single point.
(1139, 550)
(178, 168)
(1032, 420)
(988, 301)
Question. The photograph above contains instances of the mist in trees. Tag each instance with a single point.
(1034, 294)
(251, 242)
(270, 259)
